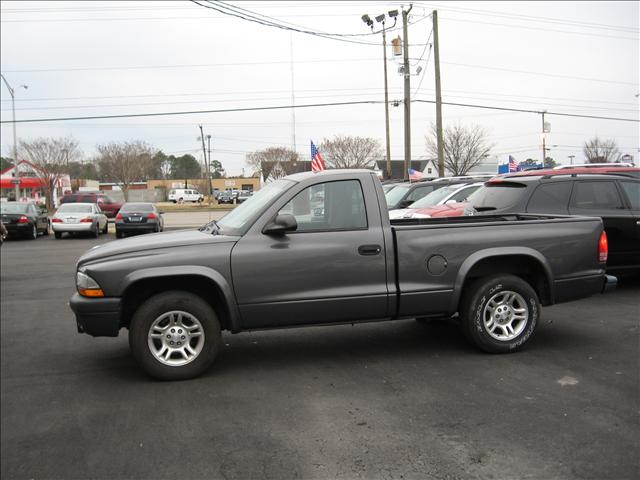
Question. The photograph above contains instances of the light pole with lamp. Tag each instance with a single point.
(381, 19)
(16, 181)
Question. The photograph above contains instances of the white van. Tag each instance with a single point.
(180, 195)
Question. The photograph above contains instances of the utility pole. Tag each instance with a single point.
(436, 60)
(16, 164)
(407, 93)
(544, 141)
(209, 167)
(386, 101)
(204, 151)
(293, 100)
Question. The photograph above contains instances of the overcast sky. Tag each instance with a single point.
(110, 58)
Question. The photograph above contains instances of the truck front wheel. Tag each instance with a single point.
(175, 335)
(500, 313)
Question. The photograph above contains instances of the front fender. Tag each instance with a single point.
(190, 270)
(501, 252)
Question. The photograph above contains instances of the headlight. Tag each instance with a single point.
(87, 286)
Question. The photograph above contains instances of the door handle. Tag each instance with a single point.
(369, 249)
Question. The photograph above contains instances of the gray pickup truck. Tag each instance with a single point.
(318, 249)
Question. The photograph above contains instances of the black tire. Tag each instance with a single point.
(181, 200)
(57, 234)
(33, 233)
(95, 232)
(119, 234)
(499, 314)
(46, 229)
(105, 230)
(153, 309)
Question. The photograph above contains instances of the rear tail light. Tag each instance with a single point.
(603, 247)
(119, 216)
(23, 219)
(56, 220)
(151, 216)
(87, 220)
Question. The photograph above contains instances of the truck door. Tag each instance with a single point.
(331, 269)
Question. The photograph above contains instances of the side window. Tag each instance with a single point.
(462, 195)
(632, 191)
(419, 192)
(596, 195)
(329, 206)
(550, 198)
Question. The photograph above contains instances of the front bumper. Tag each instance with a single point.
(99, 317)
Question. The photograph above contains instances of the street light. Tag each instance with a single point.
(15, 145)
(381, 19)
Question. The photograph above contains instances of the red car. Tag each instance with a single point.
(109, 206)
(447, 210)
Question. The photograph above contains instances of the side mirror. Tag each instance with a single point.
(160, 212)
(285, 222)
(405, 203)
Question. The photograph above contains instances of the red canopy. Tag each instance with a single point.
(25, 182)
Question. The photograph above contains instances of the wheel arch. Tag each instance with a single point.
(526, 263)
(208, 284)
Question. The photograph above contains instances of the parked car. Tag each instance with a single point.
(614, 197)
(138, 217)
(24, 219)
(404, 194)
(259, 267)
(225, 197)
(180, 195)
(107, 205)
(75, 218)
(244, 195)
(457, 192)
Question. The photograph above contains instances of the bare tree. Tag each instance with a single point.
(125, 162)
(344, 151)
(274, 162)
(601, 151)
(50, 158)
(464, 147)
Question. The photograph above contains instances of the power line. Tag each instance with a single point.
(588, 34)
(546, 112)
(532, 18)
(281, 107)
(161, 114)
(528, 72)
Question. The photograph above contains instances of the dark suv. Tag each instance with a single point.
(615, 197)
(109, 206)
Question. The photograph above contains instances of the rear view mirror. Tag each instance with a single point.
(285, 222)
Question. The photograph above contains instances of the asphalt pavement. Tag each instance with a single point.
(379, 400)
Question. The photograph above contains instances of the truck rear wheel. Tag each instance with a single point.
(175, 335)
(500, 313)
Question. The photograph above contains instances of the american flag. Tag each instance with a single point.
(415, 174)
(513, 165)
(317, 162)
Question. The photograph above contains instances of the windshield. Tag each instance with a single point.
(395, 195)
(13, 208)
(496, 196)
(435, 197)
(237, 219)
(75, 208)
(137, 207)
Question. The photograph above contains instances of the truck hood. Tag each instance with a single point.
(152, 241)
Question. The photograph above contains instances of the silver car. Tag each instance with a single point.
(79, 218)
